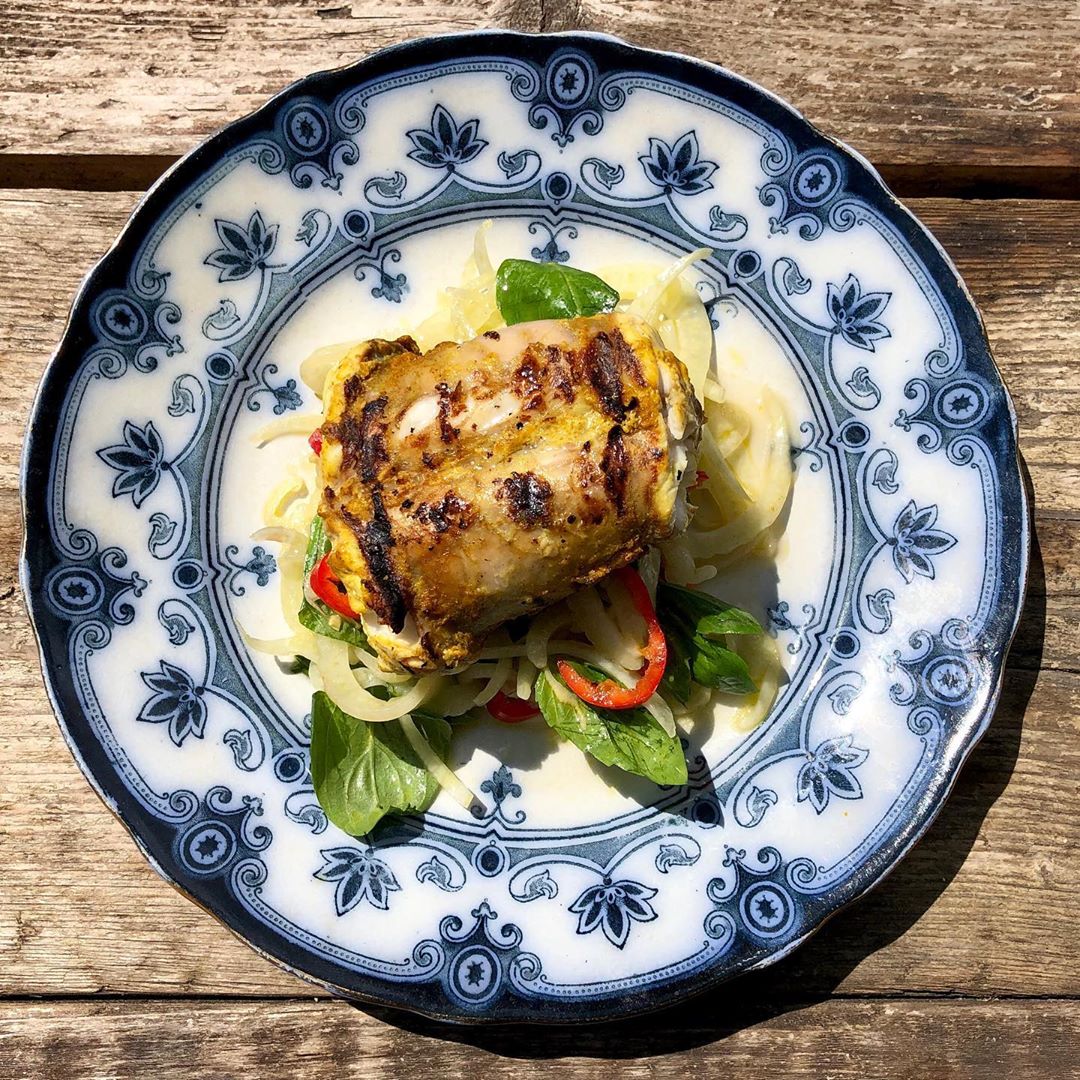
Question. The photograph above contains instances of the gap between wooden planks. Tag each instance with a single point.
(124, 172)
(980, 907)
(946, 83)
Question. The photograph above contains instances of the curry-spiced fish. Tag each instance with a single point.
(479, 482)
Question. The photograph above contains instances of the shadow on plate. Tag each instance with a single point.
(811, 973)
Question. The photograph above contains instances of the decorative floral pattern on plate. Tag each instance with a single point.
(344, 204)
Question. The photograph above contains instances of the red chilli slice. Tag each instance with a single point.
(327, 586)
(511, 710)
(608, 694)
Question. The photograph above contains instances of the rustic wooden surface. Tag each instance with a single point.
(964, 963)
(841, 1040)
(953, 82)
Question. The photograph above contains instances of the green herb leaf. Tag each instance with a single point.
(526, 291)
(294, 665)
(630, 739)
(316, 616)
(317, 545)
(677, 676)
(361, 771)
(692, 623)
(714, 666)
(708, 616)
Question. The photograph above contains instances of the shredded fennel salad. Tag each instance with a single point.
(616, 667)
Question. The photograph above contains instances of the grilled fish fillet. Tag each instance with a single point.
(479, 482)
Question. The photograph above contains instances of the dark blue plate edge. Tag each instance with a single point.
(52, 388)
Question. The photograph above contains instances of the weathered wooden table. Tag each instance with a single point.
(966, 962)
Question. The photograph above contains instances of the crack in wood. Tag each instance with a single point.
(132, 172)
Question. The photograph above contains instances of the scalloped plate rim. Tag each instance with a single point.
(960, 745)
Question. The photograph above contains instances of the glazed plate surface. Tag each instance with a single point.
(337, 212)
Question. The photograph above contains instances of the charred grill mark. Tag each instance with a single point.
(372, 439)
(559, 374)
(450, 510)
(528, 498)
(376, 540)
(526, 383)
(449, 402)
(428, 460)
(615, 465)
(603, 363)
(347, 431)
(354, 384)
(627, 358)
(493, 334)
(601, 367)
(363, 441)
(372, 352)
(381, 349)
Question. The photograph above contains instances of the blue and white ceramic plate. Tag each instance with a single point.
(337, 211)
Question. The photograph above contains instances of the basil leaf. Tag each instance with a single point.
(629, 739)
(361, 771)
(708, 616)
(316, 616)
(692, 621)
(295, 665)
(526, 291)
(677, 677)
(714, 666)
(317, 545)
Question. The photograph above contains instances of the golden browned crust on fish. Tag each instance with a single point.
(483, 481)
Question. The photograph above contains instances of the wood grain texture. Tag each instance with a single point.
(839, 1039)
(962, 964)
(942, 82)
(987, 904)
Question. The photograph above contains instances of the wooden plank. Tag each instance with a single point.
(986, 904)
(839, 1039)
(1021, 261)
(942, 82)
